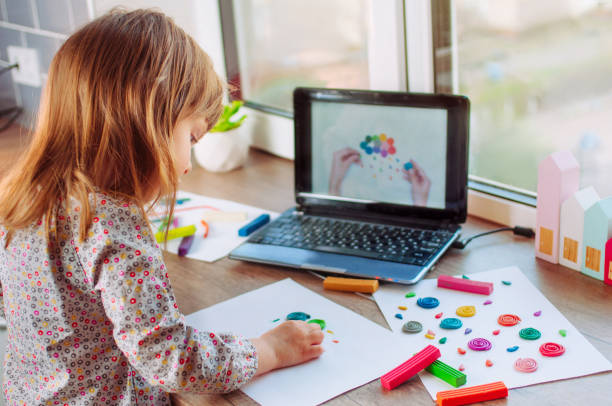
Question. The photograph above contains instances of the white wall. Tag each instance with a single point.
(199, 18)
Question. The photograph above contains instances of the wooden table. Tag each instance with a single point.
(267, 182)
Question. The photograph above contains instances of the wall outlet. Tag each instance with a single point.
(28, 72)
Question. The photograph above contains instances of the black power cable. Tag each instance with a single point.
(8, 68)
(524, 231)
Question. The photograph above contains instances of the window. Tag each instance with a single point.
(539, 76)
(536, 73)
(272, 46)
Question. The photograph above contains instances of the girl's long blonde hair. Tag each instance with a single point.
(115, 91)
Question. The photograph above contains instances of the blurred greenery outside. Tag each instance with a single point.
(538, 91)
(533, 91)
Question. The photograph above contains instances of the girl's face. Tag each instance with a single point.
(186, 133)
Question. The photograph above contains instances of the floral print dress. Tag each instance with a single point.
(96, 323)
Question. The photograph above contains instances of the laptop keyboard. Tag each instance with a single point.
(384, 242)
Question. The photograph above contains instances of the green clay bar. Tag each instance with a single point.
(447, 373)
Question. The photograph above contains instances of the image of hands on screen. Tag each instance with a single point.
(371, 153)
(411, 172)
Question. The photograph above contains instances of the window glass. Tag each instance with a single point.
(283, 44)
(539, 76)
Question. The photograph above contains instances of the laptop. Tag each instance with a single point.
(380, 185)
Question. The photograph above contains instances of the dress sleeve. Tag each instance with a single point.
(147, 325)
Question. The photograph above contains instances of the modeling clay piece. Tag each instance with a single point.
(460, 350)
(399, 316)
(428, 302)
(465, 285)
(489, 363)
(447, 373)
(563, 333)
(439, 315)
(527, 365)
(410, 294)
(488, 302)
(410, 368)
(495, 332)
(185, 245)
(402, 307)
(442, 340)
(461, 367)
(507, 283)
(451, 324)
(538, 313)
(350, 284)
(512, 349)
(467, 331)
(412, 327)
(466, 311)
(530, 333)
(320, 322)
(508, 320)
(479, 344)
(298, 316)
(552, 349)
(473, 394)
(250, 227)
(178, 232)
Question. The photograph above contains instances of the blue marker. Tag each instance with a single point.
(254, 225)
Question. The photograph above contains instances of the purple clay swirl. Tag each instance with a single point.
(527, 365)
(479, 344)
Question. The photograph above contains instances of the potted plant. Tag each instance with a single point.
(226, 146)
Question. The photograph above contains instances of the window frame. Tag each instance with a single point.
(412, 67)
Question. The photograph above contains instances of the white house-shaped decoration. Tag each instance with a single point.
(597, 232)
(572, 226)
(558, 179)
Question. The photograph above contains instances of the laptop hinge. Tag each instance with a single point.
(384, 219)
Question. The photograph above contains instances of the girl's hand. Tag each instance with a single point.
(341, 162)
(290, 343)
(420, 184)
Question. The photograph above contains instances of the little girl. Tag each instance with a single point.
(91, 315)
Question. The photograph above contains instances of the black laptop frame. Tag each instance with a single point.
(455, 211)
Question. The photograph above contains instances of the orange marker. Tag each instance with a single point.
(466, 396)
(350, 285)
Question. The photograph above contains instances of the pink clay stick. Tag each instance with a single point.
(410, 368)
(465, 285)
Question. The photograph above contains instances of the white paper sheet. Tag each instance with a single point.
(222, 235)
(364, 350)
(520, 298)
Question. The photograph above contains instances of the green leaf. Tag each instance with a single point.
(224, 123)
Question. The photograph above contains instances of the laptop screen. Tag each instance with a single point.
(379, 153)
(374, 153)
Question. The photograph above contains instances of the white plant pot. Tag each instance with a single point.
(223, 151)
